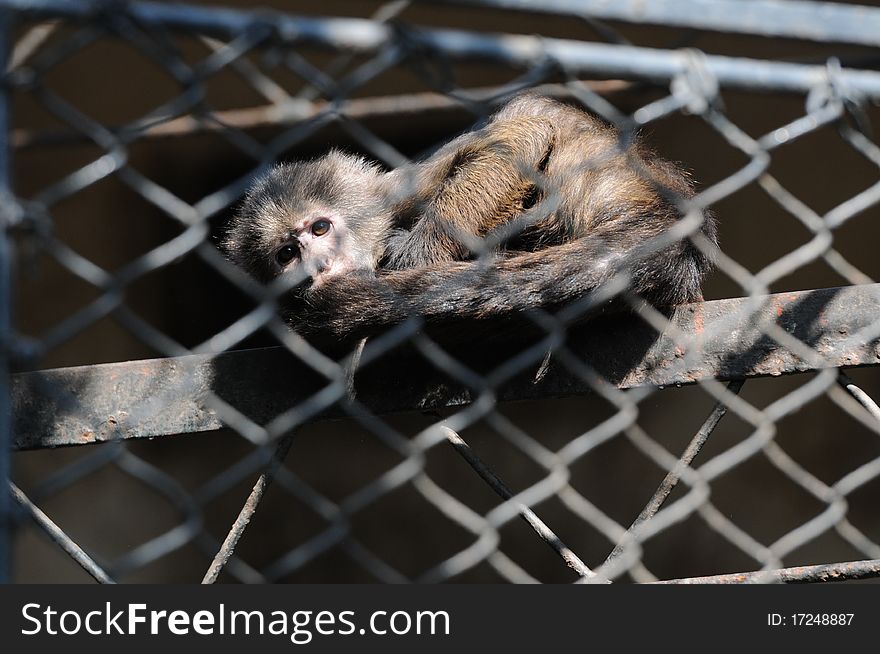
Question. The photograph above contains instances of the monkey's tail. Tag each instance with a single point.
(551, 278)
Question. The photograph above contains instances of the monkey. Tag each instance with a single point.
(584, 206)
(341, 214)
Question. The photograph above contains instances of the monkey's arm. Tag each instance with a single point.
(469, 187)
(475, 290)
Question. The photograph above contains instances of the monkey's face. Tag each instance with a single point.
(318, 245)
(312, 220)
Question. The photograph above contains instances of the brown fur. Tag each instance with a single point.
(578, 206)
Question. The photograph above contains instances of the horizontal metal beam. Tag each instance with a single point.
(136, 399)
(412, 107)
(795, 19)
(520, 51)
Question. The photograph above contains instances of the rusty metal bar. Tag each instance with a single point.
(670, 481)
(157, 397)
(57, 534)
(806, 574)
(544, 532)
(227, 549)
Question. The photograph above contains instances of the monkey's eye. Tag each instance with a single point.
(286, 254)
(320, 227)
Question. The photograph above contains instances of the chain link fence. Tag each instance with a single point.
(160, 422)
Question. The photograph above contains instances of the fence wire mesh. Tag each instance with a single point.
(642, 445)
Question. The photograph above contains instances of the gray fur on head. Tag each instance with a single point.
(341, 184)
